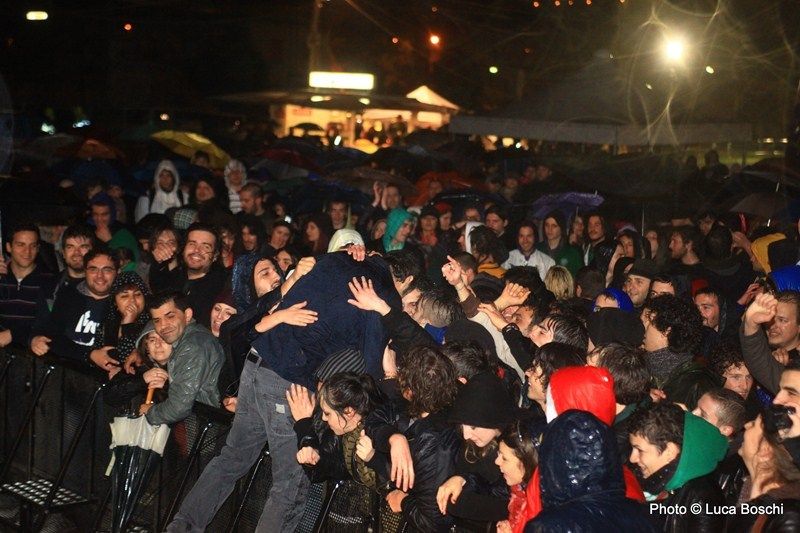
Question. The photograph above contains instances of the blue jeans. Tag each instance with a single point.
(262, 415)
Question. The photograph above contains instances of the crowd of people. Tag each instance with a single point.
(568, 373)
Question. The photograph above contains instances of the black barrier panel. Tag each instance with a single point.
(66, 401)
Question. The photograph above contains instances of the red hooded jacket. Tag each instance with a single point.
(585, 388)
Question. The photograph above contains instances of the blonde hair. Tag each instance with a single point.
(559, 281)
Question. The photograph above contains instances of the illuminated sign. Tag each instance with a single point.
(341, 80)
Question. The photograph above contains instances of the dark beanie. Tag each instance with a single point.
(645, 268)
(483, 402)
(465, 330)
(609, 324)
(346, 360)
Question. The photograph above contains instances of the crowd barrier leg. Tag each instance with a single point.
(193, 456)
(65, 462)
(27, 420)
(234, 527)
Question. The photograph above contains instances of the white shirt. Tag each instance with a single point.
(537, 259)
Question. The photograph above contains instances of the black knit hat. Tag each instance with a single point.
(609, 324)
(645, 268)
(346, 360)
(483, 402)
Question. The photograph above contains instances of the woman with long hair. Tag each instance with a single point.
(478, 492)
(774, 478)
(556, 243)
(316, 233)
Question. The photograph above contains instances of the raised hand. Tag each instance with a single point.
(513, 294)
(452, 272)
(498, 321)
(762, 310)
(301, 402)
(365, 297)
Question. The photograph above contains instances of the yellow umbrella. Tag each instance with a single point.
(366, 146)
(186, 143)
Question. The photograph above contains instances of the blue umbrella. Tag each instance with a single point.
(568, 203)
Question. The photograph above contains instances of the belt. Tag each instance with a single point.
(253, 357)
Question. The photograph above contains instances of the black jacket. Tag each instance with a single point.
(72, 323)
(485, 496)
(434, 443)
(785, 521)
(200, 292)
(314, 432)
(581, 480)
(702, 490)
(405, 332)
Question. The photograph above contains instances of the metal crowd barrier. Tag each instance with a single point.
(54, 452)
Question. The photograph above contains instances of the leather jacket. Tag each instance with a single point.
(702, 490)
(434, 443)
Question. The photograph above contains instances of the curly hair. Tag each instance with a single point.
(430, 379)
(726, 354)
(678, 319)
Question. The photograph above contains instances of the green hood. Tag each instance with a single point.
(703, 447)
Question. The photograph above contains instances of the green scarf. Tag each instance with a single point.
(357, 468)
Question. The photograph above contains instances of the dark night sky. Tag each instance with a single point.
(180, 52)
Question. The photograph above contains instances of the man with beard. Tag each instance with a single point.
(68, 331)
(601, 246)
(76, 241)
(21, 282)
(193, 367)
(200, 277)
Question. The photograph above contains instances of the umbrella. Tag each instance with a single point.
(568, 203)
(364, 177)
(267, 169)
(426, 138)
(313, 195)
(187, 143)
(90, 149)
(763, 204)
(366, 146)
(773, 169)
(308, 147)
(305, 127)
(138, 447)
(289, 157)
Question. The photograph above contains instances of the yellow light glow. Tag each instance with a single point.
(435, 40)
(493, 70)
(364, 101)
(709, 69)
(36, 15)
(674, 50)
